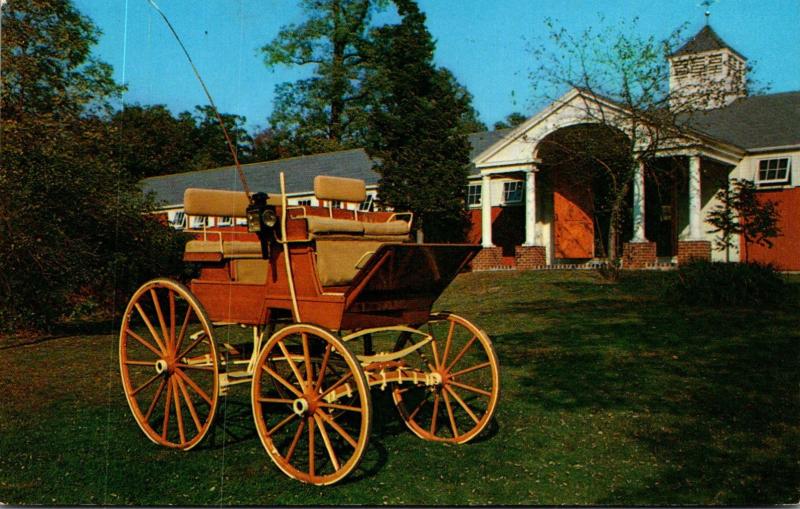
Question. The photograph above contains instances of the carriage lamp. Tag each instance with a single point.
(260, 216)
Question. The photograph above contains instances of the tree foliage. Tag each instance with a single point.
(326, 111)
(512, 120)
(741, 212)
(416, 131)
(74, 228)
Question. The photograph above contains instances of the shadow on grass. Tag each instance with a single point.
(714, 392)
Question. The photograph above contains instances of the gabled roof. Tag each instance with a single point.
(299, 171)
(705, 40)
(752, 123)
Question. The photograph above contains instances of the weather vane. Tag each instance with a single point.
(707, 4)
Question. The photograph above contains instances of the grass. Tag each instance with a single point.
(608, 397)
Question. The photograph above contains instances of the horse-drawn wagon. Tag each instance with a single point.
(312, 283)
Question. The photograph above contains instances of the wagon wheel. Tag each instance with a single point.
(461, 406)
(318, 433)
(168, 363)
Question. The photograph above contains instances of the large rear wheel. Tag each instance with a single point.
(461, 406)
(311, 404)
(168, 363)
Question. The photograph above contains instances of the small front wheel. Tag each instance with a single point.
(168, 364)
(311, 404)
(462, 404)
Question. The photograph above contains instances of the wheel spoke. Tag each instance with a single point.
(161, 321)
(182, 333)
(339, 407)
(311, 451)
(463, 405)
(172, 320)
(435, 414)
(166, 412)
(143, 342)
(417, 409)
(275, 400)
(281, 424)
(194, 366)
(191, 347)
(339, 430)
(327, 441)
(200, 392)
(435, 354)
(307, 360)
(146, 384)
(296, 439)
(150, 328)
(323, 367)
(282, 381)
(178, 413)
(141, 363)
(155, 399)
(342, 380)
(471, 388)
(292, 365)
(189, 404)
(448, 342)
(450, 414)
(471, 369)
(462, 352)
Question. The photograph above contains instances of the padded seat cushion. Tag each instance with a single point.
(202, 246)
(239, 249)
(328, 225)
(388, 228)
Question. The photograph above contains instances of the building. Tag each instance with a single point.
(527, 210)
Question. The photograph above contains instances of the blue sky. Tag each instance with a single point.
(485, 43)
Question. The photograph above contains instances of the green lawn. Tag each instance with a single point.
(609, 396)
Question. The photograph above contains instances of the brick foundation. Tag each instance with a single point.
(529, 257)
(638, 255)
(693, 250)
(488, 258)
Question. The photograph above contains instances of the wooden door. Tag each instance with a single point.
(574, 225)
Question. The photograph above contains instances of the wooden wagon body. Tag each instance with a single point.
(309, 281)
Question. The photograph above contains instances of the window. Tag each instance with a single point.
(224, 221)
(368, 205)
(306, 203)
(241, 221)
(336, 204)
(773, 171)
(199, 221)
(179, 220)
(512, 191)
(473, 194)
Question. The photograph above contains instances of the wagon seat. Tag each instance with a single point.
(346, 239)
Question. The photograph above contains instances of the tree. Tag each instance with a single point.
(208, 140)
(74, 227)
(512, 120)
(327, 111)
(624, 86)
(741, 212)
(417, 136)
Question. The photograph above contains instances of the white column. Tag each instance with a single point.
(695, 200)
(638, 204)
(530, 207)
(486, 212)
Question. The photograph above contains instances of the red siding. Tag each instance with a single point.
(785, 251)
(508, 229)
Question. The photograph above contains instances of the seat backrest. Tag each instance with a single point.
(214, 202)
(339, 189)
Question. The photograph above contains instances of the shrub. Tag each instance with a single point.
(703, 283)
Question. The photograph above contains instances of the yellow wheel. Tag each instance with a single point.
(462, 404)
(168, 363)
(311, 404)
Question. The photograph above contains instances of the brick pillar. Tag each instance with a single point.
(488, 258)
(638, 255)
(529, 257)
(693, 250)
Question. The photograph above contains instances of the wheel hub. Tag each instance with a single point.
(161, 366)
(300, 406)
